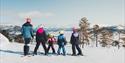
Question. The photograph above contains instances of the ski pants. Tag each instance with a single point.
(37, 46)
(74, 47)
(26, 46)
(63, 49)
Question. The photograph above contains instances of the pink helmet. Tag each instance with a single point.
(28, 20)
(74, 29)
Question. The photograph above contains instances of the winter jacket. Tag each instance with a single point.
(61, 40)
(74, 38)
(41, 35)
(27, 30)
(51, 40)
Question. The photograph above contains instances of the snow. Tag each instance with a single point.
(91, 55)
(3, 41)
(13, 52)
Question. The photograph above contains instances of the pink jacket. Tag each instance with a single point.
(51, 40)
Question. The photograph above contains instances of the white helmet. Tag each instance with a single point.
(61, 32)
(41, 26)
(51, 35)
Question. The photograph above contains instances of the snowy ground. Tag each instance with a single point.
(13, 52)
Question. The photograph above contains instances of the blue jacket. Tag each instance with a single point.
(27, 30)
(61, 40)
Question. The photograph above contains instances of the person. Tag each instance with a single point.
(61, 43)
(75, 42)
(51, 41)
(41, 37)
(27, 33)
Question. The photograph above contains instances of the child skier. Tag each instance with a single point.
(61, 43)
(51, 41)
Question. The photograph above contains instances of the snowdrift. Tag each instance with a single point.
(3, 41)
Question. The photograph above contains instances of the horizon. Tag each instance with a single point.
(58, 27)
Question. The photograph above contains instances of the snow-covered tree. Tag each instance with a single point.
(106, 38)
(84, 35)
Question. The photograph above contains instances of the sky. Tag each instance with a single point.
(62, 13)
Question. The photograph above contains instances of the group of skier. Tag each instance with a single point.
(42, 38)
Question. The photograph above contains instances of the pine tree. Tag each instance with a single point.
(84, 35)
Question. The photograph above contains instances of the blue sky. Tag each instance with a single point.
(62, 12)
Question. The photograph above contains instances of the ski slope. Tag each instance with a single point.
(13, 52)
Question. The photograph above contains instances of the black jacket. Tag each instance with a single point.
(74, 40)
(41, 37)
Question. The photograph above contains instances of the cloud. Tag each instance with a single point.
(35, 14)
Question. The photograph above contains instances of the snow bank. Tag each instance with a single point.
(3, 41)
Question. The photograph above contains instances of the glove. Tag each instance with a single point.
(21, 34)
(65, 43)
(32, 36)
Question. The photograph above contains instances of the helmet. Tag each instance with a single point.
(61, 32)
(28, 20)
(74, 29)
(51, 35)
(41, 26)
